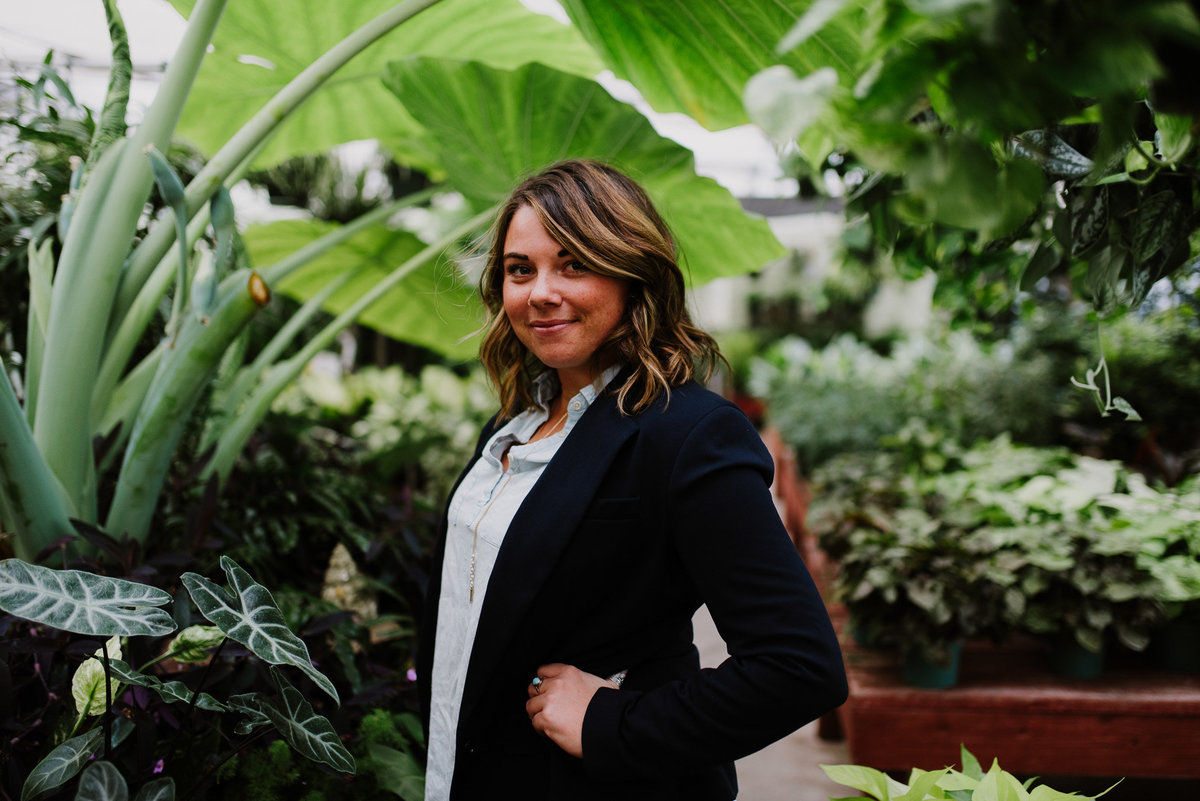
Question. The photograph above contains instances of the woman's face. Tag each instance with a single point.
(558, 308)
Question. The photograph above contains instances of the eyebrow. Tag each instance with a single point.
(561, 254)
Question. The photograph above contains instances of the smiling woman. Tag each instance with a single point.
(609, 498)
(562, 312)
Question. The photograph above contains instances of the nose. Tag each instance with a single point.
(544, 291)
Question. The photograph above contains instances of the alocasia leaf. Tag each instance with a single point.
(247, 613)
(72, 600)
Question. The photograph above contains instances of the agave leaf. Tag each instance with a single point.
(61, 764)
(158, 790)
(312, 735)
(170, 691)
(72, 600)
(249, 615)
(101, 781)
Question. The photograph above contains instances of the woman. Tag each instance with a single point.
(609, 498)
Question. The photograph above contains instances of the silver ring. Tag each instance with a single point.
(537, 685)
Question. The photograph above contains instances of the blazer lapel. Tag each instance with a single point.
(540, 530)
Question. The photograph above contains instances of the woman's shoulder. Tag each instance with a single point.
(688, 405)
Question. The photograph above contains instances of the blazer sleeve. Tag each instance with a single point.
(785, 666)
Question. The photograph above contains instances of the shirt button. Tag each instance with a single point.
(576, 406)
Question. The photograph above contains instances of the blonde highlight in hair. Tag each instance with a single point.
(608, 222)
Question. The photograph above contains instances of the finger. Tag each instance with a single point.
(552, 669)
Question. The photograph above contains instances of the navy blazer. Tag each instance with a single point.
(636, 522)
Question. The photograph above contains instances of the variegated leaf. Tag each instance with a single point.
(250, 616)
(88, 683)
(72, 600)
(310, 734)
(1056, 157)
(101, 781)
(170, 691)
(194, 643)
(61, 764)
(1089, 218)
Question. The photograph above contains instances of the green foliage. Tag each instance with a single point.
(400, 422)
(846, 396)
(1065, 128)
(969, 784)
(85, 603)
(937, 543)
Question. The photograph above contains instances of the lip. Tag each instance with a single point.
(548, 327)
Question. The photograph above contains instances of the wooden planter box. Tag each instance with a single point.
(1129, 721)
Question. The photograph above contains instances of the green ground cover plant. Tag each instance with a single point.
(1002, 538)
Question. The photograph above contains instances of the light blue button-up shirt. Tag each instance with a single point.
(478, 518)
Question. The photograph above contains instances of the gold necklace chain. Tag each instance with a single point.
(512, 470)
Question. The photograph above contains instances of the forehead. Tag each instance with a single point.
(525, 235)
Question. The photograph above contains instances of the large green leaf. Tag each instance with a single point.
(432, 307)
(697, 57)
(262, 44)
(85, 603)
(170, 691)
(101, 781)
(312, 735)
(62, 763)
(249, 615)
(494, 126)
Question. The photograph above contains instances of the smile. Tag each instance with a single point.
(549, 327)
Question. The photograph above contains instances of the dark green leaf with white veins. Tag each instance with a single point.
(170, 691)
(62, 763)
(73, 600)
(102, 782)
(493, 127)
(312, 735)
(249, 615)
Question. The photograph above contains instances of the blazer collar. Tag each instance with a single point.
(541, 530)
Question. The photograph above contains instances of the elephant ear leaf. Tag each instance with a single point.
(310, 734)
(493, 127)
(102, 782)
(247, 613)
(73, 600)
(61, 764)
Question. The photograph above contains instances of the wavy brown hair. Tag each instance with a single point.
(607, 222)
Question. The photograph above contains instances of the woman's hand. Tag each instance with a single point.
(556, 706)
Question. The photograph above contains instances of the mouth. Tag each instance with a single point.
(548, 327)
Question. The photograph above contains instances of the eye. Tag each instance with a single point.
(517, 269)
(576, 267)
